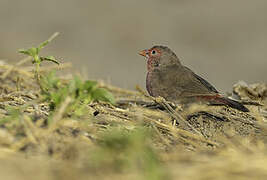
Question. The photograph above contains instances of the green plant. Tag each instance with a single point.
(55, 92)
(34, 52)
(81, 92)
(13, 114)
(121, 150)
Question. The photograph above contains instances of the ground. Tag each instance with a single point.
(138, 137)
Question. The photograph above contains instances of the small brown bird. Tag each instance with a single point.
(168, 78)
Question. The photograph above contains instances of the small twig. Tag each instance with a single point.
(122, 102)
(56, 66)
(11, 68)
(30, 129)
(160, 135)
(254, 103)
(48, 68)
(171, 111)
(53, 37)
(177, 116)
(246, 121)
(236, 143)
(59, 113)
(7, 67)
(179, 131)
(117, 89)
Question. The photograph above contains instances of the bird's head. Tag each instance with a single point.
(159, 56)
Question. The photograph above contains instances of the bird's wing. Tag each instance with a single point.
(175, 81)
(203, 81)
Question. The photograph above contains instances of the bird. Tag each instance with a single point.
(168, 78)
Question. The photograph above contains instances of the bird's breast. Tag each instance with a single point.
(149, 83)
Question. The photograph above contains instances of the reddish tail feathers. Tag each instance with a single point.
(219, 100)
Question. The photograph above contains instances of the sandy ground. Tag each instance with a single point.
(139, 137)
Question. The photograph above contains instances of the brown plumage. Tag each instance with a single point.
(168, 78)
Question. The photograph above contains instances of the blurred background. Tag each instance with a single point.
(223, 41)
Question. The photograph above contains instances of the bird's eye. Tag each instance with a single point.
(153, 52)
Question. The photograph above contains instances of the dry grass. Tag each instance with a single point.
(129, 140)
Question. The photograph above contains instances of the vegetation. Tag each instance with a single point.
(58, 128)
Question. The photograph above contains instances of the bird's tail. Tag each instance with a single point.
(234, 104)
(220, 100)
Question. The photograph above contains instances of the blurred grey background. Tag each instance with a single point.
(223, 41)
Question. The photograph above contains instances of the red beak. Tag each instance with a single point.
(143, 53)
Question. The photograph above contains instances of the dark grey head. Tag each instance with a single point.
(159, 56)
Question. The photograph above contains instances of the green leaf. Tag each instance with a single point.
(24, 51)
(43, 44)
(89, 85)
(33, 51)
(49, 58)
(50, 81)
(103, 95)
(82, 93)
(12, 115)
